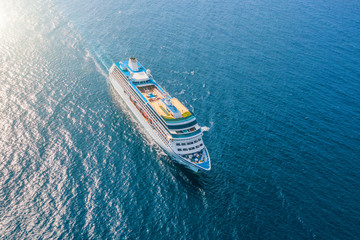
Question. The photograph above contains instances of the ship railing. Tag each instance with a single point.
(158, 127)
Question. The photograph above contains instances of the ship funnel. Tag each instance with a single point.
(133, 64)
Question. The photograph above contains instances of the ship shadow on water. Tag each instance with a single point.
(185, 175)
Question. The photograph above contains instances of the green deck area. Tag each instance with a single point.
(165, 111)
(185, 116)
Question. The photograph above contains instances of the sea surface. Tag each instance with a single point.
(276, 83)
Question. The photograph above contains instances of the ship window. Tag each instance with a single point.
(197, 146)
(179, 131)
(185, 149)
(179, 149)
(189, 143)
(201, 144)
(178, 144)
(192, 129)
(192, 148)
(183, 144)
(195, 141)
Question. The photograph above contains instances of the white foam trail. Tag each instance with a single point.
(103, 61)
(205, 129)
(98, 67)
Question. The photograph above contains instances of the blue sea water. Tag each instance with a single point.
(276, 82)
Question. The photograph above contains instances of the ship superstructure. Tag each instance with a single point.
(165, 118)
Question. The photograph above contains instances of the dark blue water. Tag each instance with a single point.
(276, 82)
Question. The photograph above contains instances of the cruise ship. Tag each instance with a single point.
(173, 127)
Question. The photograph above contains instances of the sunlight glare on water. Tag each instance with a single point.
(275, 86)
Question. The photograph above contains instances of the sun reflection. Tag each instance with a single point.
(3, 16)
(6, 13)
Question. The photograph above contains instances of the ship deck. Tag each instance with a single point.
(154, 96)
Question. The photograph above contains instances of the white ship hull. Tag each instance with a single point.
(149, 129)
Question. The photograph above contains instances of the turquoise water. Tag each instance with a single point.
(277, 83)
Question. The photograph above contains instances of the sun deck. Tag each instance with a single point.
(171, 109)
(157, 98)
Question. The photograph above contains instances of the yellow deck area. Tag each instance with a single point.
(179, 105)
(154, 96)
